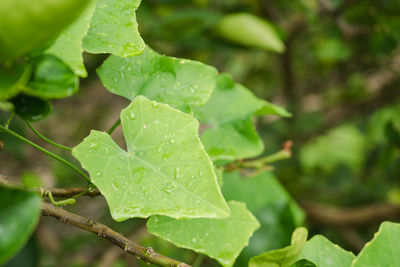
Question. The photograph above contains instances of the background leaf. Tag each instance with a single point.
(31, 108)
(271, 204)
(228, 113)
(249, 30)
(114, 29)
(13, 79)
(221, 239)
(22, 24)
(174, 81)
(19, 214)
(51, 78)
(165, 170)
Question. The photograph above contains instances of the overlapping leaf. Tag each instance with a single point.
(228, 113)
(13, 79)
(271, 204)
(324, 253)
(283, 257)
(221, 239)
(19, 214)
(174, 81)
(26, 26)
(68, 45)
(383, 249)
(165, 170)
(51, 78)
(113, 29)
(31, 108)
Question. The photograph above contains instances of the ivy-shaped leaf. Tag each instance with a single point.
(19, 214)
(68, 45)
(246, 29)
(229, 113)
(51, 78)
(283, 257)
(174, 81)
(383, 249)
(324, 253)
(165, 170)
(113, 29)
(221, 239)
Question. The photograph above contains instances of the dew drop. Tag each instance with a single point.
(201, 173)
(99, 173)
(194, 240)
(155, 105)
(172, 141)
(132, 115)
(93, 145)
(106, 150)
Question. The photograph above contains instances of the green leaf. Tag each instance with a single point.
(248, 30)
(68, 45)
(26, 25)
(221, 239)
(228, 113)
(13, 79)
(383, 249)
(114, 29)
(165, 170)
(324, 253)
(271, 204)
(259, 191)
(283, 257)
(51, 78)
(19, 214)
(174, 81)
(6, 106)
(344, 145)
(303, 263)
(31, 108)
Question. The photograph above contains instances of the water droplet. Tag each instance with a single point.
(159, 149)
(93, 145)
(172, 141)
(106, 150)
(99, 173)
(155, 105)
(144, 126)
(201, 173)
(182, 61)
(168, 189)
(194, 240)
(115, 185)
(132, 115)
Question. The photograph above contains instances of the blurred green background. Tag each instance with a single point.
(339, 77)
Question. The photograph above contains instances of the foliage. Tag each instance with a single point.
(192, 133)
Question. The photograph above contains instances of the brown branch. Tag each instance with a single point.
(146, 254)
(350, 216)
(56, 192)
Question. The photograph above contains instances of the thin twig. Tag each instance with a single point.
(49, 153)
(56, 192)
(47, 139)
(146, 254)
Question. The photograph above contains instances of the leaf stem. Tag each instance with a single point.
(47, 139)
(199, 259)
(114, 126)
(51, 154)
